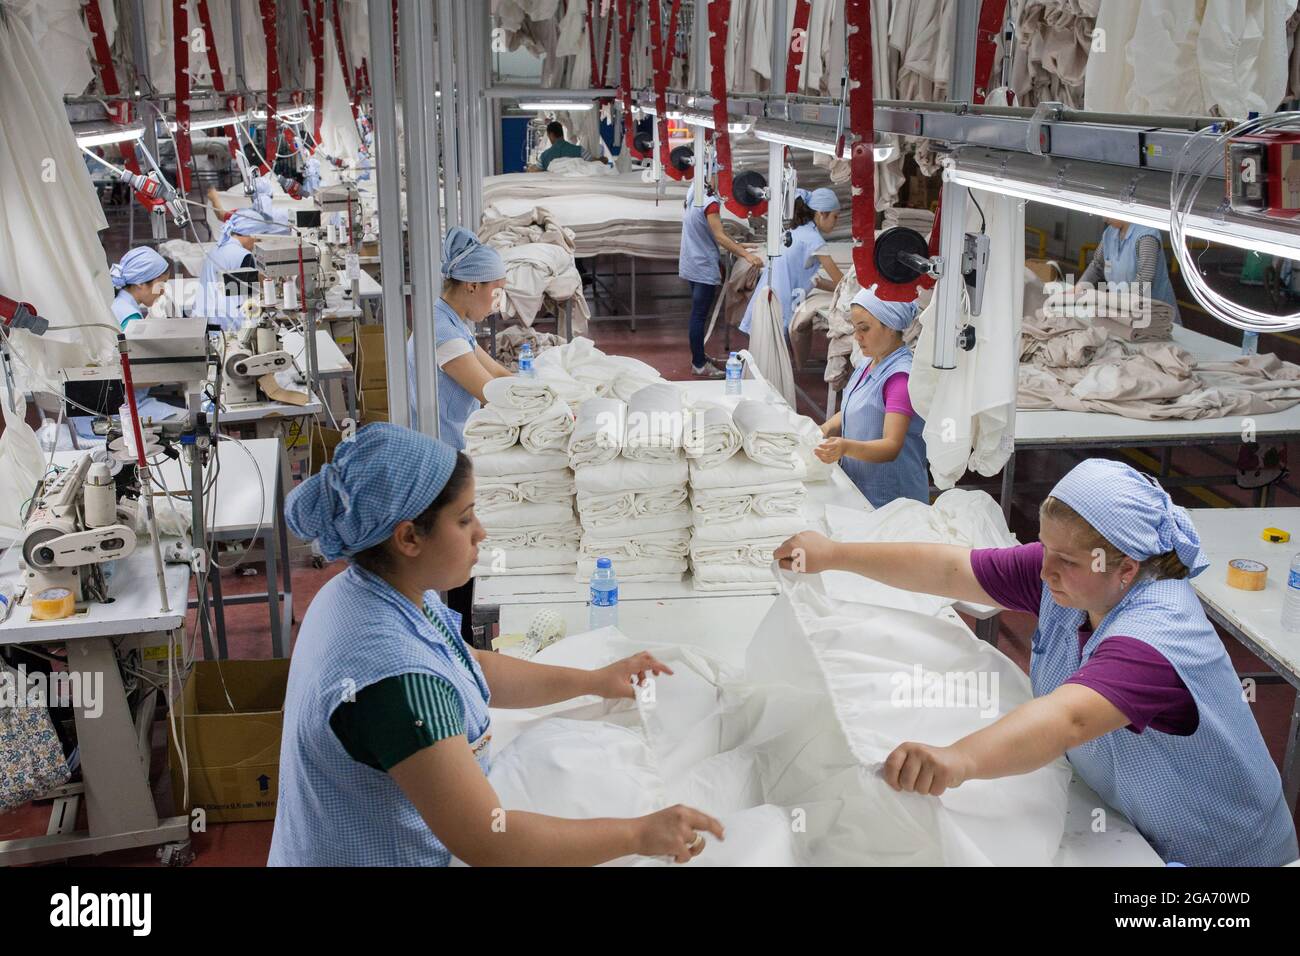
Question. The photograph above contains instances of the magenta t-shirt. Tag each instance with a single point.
(1129, 673)
(895, 395)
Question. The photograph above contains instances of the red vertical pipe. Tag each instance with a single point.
(272, 84)
(343, 56)
(626, 19)
(214, 64)
(662, 53)
(108, 79)
(797, 45)
(181, 63)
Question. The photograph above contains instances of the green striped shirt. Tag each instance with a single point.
(399, 716)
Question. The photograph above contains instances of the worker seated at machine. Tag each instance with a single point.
(394, 772)
(560, 148)
(233, 252)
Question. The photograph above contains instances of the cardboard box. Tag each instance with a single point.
(233, 756)
(373, 416)
(1043, 269)
(370, 367)
(373, 400)
(323, 443)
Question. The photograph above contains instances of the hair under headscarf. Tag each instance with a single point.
(251, 222)
(137, 266)
(385, 475)
(466, 259)
(823, 200)
(1131, 511)
(897, 315)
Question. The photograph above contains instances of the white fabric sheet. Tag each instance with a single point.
(549, 431)
(598, 433)
(711, 437)
(624, 475)
(517, 461)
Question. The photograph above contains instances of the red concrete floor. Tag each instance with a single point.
(663, 344)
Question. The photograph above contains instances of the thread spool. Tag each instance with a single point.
(99, 497)
(1247, 575)
(291, 294)
(268, 291)
(53, 604)
(128, 430)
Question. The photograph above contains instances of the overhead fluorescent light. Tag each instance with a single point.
(1233, 232)
(211, 122)
(289, 115)
(103, 135)
(554, 105)
(700, 118)
(800, 138)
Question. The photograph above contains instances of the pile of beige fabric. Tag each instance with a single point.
(510, 341)
(541, 274)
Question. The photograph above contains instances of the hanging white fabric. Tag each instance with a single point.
(50, 254)
(768, 346)
(338, 132)
(970, 411)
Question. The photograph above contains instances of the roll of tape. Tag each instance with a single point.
(1247, 575)
(53, 604)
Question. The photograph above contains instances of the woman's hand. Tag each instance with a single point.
(920, 768)
(807, 553)
(677, 832)
(755, 260)
(831, 450)
(620, 678)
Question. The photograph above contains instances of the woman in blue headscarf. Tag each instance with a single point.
(795, 272)
(140, 279)
(1131, 682)
(471, 275)
(1131, 258)
(877, 435)
(234, 251)
(385, 750)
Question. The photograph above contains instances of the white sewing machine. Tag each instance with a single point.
(251, 353)
(72, 529)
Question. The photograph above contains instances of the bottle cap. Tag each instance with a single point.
(603, 563)
(735, 354)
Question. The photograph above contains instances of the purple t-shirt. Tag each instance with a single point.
(1129, 673)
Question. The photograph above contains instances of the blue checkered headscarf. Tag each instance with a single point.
(897, 315)
(137, 266)
(466, 259)
(1131, 511)
(385, 475)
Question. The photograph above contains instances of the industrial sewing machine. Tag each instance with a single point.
(253, 352)
(75, 527)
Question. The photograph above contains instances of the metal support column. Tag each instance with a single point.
(388, 184)
(466, 146)
(415, 23)
(447, 110)
(775, 151)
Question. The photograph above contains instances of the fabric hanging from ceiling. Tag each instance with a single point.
(338, 132)
(60, 34)
(50, 253)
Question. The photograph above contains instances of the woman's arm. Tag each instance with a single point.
(831, 427)
(515, 682)
(468, 372)
(1096, 270)
(885, 448)
(494, 368)
(446, 785)
(942, 569)
(1148, 258)
(1031, 736)
(726, 242)
(832, 270)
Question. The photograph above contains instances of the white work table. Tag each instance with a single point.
(1255, 617)
(723, 623)
(112, 732)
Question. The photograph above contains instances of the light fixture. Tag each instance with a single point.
(103, 136)
(1233, 232)
(700, 118)
(554, 105)
(800, 138)
(211, 122)
(288, 116)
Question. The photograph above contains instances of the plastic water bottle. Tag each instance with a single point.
(734, 369)
(1291, 603)
(526, 369)
(604, 596)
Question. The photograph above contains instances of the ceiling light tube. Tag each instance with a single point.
(880, 152)
(553, 105)
(123, 134)
(1234, 233)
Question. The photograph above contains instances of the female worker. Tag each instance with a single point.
(234, 251)
(702, 235)
(1132, 254)
(471, 275)
(796, 269)
(1130, 680)
(140, 279)
(386, 725)
(876, 436)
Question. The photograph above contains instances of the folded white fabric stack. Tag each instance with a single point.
(615, 376)
(655, 424)
(711, 437)
(637, 514)
(769, 433)
(742, 512)
(524, 486)
(599, 432)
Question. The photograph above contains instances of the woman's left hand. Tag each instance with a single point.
(830, 450)
(620, 678)
(920, 768)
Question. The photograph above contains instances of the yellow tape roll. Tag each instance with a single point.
(1247, 575)
(53, 604)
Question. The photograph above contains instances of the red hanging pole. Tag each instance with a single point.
(343, 56)
(214, 64)
(992, 14)
(662, 53)
(313, 13)
(719, 19)
(272, 84)
(798, 44)
(181, 64)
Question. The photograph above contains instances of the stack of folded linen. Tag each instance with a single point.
(524, 488)
(742, 511)
(1151, 321)
(614, 376)
(773, 434)
(599, 432)
(655, 424)
(636, 513)
(711, 437)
